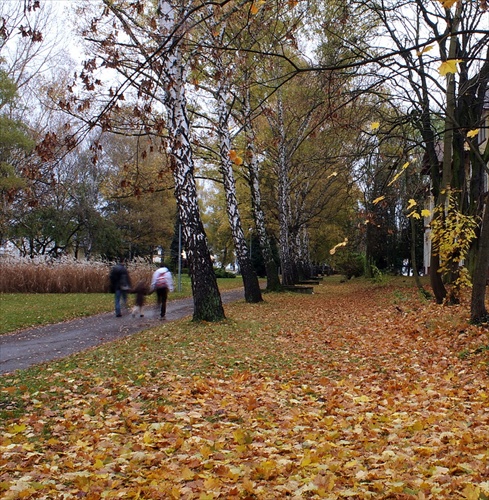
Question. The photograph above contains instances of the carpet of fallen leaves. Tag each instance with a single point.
(359, 390)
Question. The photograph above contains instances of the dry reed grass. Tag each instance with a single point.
(66, 275)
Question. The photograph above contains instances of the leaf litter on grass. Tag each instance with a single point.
(339, 394)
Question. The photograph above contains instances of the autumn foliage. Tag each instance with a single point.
(360, 390)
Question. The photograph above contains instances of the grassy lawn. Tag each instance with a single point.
(25, 310)
(359, 390)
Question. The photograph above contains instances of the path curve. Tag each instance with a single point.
(45, 343)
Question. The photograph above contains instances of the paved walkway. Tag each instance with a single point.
(46, 343)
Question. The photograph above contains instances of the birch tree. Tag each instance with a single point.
(223, 70)
(207, 300)
(144, 44)
(273, 281)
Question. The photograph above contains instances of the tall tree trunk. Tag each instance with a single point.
(447, 171)
(273, 281)
(478, 311)
(428, 135)
(285, 239)
(250, 279)
(207, 299)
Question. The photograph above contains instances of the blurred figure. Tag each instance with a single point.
(141, 290)
(120, 283)
(162, 282)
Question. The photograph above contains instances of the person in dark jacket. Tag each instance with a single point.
(120, 283)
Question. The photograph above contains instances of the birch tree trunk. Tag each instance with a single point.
(285, 241)
(250, 278)
(207, 299)
(273, 281)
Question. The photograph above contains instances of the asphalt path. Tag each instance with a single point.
(46, 343)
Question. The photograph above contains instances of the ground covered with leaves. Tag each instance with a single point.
(360, 390)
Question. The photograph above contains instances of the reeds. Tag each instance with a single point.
(66, 275)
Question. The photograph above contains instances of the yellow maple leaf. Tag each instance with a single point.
(414, 214)
(17, 429)
(147, 438)
(411, 203)
(238, 160)
(471, 492)
(242, 437)
(187, 474)
(98, 464)
(449, 66)
(379, 199)
(374, 126)
(425, 212)
(472, 133)
(254, 9)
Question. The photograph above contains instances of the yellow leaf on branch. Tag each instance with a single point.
(374, 126)
(449, 66)
(379, 199)
(472, 133)
(411, 203)
(425, 212)
(425, 49)
(394, 179)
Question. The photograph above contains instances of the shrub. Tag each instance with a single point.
(65, 275)
(350, 264)
(222, 273)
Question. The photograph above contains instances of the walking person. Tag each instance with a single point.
(120, 283)
(162, 282)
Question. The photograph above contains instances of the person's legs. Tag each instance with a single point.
(117, 299)
(162, 297)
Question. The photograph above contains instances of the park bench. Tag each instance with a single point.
(298, 288)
